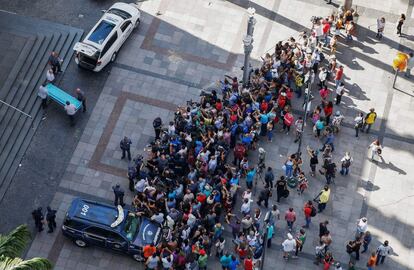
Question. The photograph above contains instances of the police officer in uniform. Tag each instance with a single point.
(125, 146)
(38, 218)
(119, 195)
(50, 218)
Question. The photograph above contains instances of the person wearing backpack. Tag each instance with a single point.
(157, 124)
(310, 211)
(346, 163)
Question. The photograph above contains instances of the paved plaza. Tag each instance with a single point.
(184, 46)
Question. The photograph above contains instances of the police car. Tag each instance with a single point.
(103, 42)
(97, 224)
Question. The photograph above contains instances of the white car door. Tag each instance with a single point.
(110, 48)
(126, 29)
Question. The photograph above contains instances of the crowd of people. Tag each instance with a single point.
(199, 178)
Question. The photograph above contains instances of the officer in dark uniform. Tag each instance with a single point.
(38, 218)
(81, 97)
(119, 195)
(132, 174)
(125, 145)
(50, 218)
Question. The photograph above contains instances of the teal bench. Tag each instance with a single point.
(61, 96)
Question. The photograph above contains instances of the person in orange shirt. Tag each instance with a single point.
(372, 260)
(148, 250)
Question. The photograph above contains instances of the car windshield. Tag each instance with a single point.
(101, 32)
(131, 226)
(124, 15)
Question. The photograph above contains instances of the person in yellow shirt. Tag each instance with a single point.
(323, 197)
(369, 120)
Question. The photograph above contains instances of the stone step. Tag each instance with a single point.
(29, 48)
(13, 97)
(16, 130)
(13, 121)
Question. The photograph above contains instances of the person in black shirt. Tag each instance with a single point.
(54, 61)
(38, 218)
(50, 218)
(81, 97)
(269, 177)
(125, 146)
(281, 188)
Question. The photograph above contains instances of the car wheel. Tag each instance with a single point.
(80, 243)
(113, 57)
(138, 258)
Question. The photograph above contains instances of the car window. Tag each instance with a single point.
(98, 231)
(72, 223)
(101, 32)
(110, 42)
(116, 237)
(123, 14)
(125, 26)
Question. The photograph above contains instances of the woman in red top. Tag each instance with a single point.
(287, 121)
(248, 263)
(328, 112)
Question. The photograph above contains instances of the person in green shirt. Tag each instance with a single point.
(300, 241)
(202, 260)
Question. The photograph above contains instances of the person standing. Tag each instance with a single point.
(80, 95)
(281, 188)
(400, 24)
(269, 177)
(157, 125)
(372, 261)
(330, 171)
(125, 145)
(383, 251)
(119, 195)
(288, 120)
(43, 94)
(50, 218)
(308, 210)
(50, 77)
(369, 120)
(289, 245)
(55, 62)
(300, 241)
(264, 196)
(152, 262)
(376, 149)
(270, 233)
(290, 217)
(346, 163)
(359, 123)
(340, 91)
(410, 64)
(70, 111)
(380, 27)
(323, 228)
(313, 160)
(323, 198)
(338, 75)
(298, 129)
(38, 218)
(366, 240)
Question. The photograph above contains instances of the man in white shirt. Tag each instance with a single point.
(289, 245)
(70, 111)
(340, 90)
(50, 77)
(43, 93)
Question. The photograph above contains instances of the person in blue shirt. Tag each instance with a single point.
(264, 119)
(270, 232)
(225, 261)
(250, 177)
(234, 263)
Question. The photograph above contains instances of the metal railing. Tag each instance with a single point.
(14, 108)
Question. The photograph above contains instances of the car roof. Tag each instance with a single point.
(100, 33)
(96, 213)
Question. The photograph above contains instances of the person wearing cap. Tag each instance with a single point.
(289, 245)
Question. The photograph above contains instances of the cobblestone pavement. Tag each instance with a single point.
(183, 46)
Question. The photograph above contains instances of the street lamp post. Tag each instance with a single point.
(248, 45)
(307, 99)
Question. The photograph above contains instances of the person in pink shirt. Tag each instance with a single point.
(290, 217)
